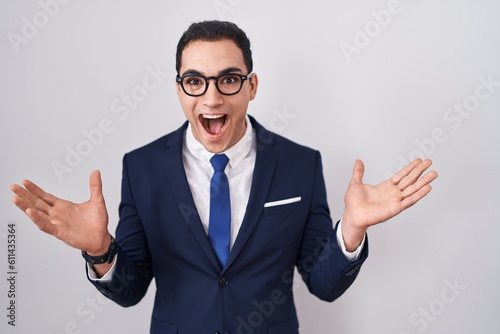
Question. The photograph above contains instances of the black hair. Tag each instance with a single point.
(215, 31)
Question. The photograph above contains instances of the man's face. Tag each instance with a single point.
(217, 121)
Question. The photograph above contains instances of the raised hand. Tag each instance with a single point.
(367, 205)
(83, 226)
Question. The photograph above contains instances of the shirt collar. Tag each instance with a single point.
(235, 153)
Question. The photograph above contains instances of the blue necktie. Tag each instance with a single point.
(219, 227)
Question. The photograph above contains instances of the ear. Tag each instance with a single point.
(254, 82)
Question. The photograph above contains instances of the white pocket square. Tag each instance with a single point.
(283, 202)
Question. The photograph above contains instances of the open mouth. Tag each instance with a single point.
(213, 124)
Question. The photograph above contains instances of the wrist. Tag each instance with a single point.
(107, 240)
(102, 256)
(352, 234)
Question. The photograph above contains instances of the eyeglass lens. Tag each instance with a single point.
(227, 84)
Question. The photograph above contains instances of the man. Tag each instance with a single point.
(220, 211)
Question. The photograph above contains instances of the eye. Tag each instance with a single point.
(230, 79)
(193, 81)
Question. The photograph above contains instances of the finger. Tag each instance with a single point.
(358, 172)
(20, 200)
(25, 199)
(396, 178)
(417, 196)
(38, 198)
(37, 216)
(95, 183)
(35, 204)
(422, 182)
(415, 174)
(40, 193)
(41, 221)
(30, 192)
(406, 171)
(18, 190)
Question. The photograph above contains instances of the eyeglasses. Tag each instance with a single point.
(226, 84)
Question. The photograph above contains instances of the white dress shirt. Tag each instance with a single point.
(239, 171)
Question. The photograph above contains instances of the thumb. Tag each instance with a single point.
(95, 183)
(358, 172)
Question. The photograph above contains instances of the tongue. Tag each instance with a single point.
(215, 125)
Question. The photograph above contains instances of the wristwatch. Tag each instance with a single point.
(107, 257)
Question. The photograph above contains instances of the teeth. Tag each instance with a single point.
(209, 116)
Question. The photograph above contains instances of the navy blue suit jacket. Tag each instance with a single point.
(160, 235)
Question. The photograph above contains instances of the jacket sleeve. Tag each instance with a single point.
(321, 262)
(133, 272)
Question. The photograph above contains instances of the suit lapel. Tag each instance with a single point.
(265, 164)
(174, 168)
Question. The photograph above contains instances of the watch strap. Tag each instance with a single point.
(106, 257)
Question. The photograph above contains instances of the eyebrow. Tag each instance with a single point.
(224, 71)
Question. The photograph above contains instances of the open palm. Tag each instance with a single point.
(83, 226)
(368, 205)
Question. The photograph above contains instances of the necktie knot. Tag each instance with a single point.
(219, 162)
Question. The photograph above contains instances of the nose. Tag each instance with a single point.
(212, 97)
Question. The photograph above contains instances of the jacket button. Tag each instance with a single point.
(223, 281)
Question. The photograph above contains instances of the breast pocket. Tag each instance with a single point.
(280, 226)
(282, 206)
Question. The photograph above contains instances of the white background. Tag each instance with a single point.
(381, 104)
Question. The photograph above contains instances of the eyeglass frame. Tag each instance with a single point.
(179, 79)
